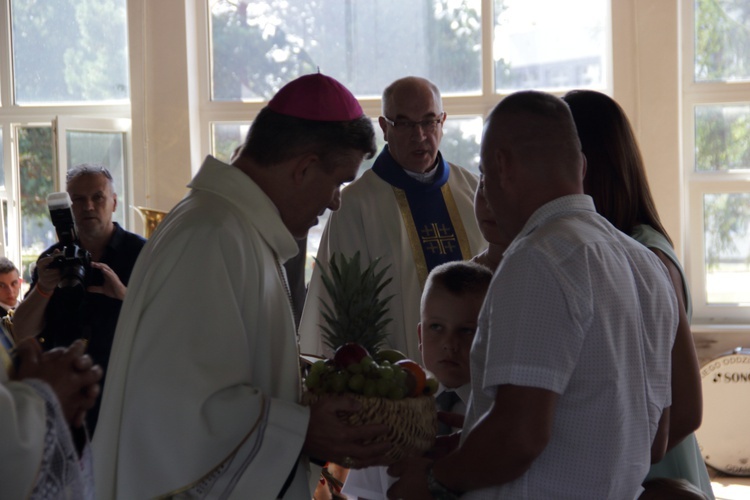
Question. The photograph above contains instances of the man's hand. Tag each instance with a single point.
(70, 372)
(112, 286)
(47, 278)
(412, 479)
(330, 439)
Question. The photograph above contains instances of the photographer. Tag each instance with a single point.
(58, 314)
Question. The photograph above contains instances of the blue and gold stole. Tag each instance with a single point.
(430, 215)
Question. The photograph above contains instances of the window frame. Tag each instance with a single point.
(467, 105)
(13, 116)
(697, 184)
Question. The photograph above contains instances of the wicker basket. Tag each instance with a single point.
(412, 421)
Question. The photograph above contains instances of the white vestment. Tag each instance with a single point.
(39, 460)
(202, 396)
(22, 427)
(369, 221)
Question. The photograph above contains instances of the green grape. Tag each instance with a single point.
(318, 367)
(355, 368)
(357, 383)
(339, 381)
(386, 372)
(368, 364)
(384, 387)
(370, 389)
(397, 393)
(312, 380)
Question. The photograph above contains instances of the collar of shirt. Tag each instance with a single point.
(424, 177)
(463, 392)
(551, 210)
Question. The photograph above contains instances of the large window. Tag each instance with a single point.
(716, 111)
(64, 100)
(474, 50)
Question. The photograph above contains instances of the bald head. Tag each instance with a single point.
(530, 155)
(405, 89)
(538, 131)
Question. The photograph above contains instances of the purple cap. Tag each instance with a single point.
(316, 97)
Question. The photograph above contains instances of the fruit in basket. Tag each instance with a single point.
(349, 354)
(416, 378)
(364, 368)
(391, 355)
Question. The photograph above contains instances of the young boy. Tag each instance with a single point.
(10, 285)
(451, 301)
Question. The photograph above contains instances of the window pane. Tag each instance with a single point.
(101, 148)
(227, 137)
(544, 44)
(460, 146)
(727, 248)
(722, 40)
(722, 138)
(257, 46)
(88, 65)
(37, 175)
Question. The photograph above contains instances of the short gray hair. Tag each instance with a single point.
(90, 169)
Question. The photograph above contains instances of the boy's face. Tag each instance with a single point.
(446, 332)
(10, 287)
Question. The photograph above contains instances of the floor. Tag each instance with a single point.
(731, 487)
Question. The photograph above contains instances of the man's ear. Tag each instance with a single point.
(383, 127)
(114, 197)
(303, 167)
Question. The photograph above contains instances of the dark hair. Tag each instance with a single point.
(459, 277)
(89, 169)
(274, 138)
(7, 265)
(615, 176)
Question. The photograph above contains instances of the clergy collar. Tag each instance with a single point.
(424, 177)
(394, 174)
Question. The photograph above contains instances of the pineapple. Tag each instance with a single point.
(355, 313)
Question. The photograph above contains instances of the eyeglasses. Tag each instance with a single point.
(425, 125)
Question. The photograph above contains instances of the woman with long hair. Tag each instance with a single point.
(616, 180)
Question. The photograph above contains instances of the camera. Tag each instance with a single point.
(73, 261)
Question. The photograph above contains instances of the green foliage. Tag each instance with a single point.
(89, 63)
(726, 221)
(356, 311)
(722, 40)
(251, 60)
(455, 41)
(36, 166)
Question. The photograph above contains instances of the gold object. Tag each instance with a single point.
(151, 218)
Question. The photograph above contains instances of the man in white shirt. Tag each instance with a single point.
(570, 368)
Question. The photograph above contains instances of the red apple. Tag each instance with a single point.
(349, 354)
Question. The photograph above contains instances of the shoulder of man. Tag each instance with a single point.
(123, 237)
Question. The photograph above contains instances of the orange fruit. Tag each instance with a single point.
(417, 373)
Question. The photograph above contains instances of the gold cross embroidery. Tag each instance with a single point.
(438, 239)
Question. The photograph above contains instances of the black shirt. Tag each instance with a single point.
(91, 316)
